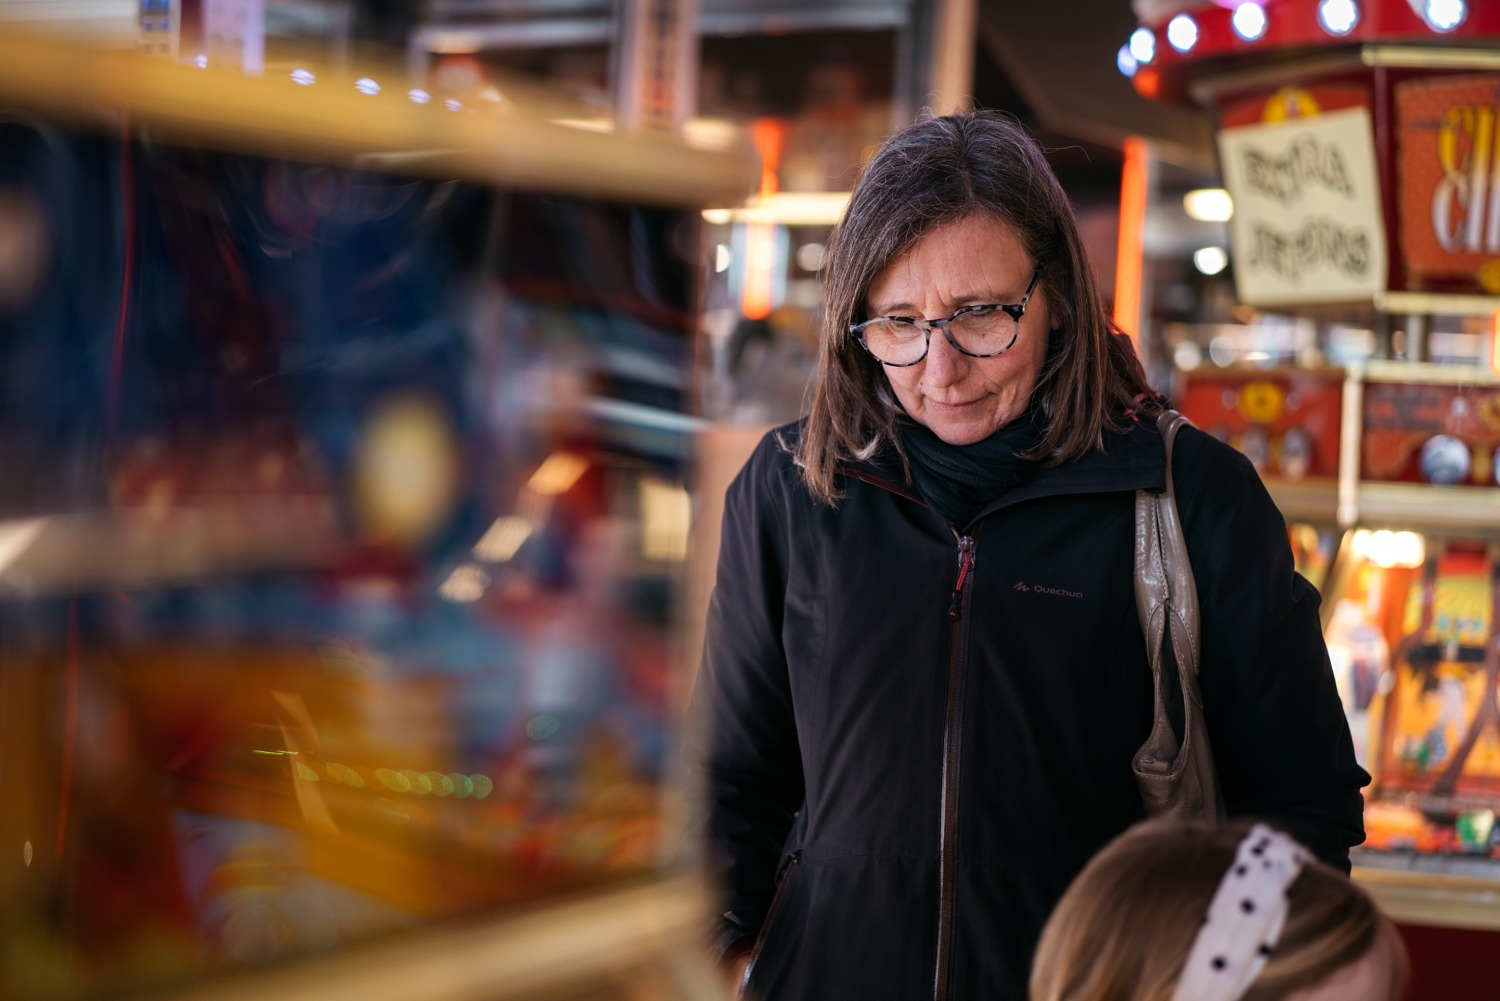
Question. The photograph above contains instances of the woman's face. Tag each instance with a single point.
(976, 259)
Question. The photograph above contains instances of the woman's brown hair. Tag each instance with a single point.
(1124, 928)
(934, 172)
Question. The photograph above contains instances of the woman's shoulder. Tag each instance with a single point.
(1197, 452)
(1216, 480)
(772, 462)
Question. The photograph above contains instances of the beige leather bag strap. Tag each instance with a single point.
(1175, 772)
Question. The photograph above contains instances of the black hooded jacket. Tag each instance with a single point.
(914, 726)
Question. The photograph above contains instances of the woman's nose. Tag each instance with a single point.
(945, 364)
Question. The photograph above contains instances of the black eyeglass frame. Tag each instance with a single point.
(1016, 311)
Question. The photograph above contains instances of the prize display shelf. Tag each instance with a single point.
(1386, 474)
(347, 436)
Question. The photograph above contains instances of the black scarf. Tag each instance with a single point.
(960, 480)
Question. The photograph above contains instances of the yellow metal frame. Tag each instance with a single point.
(527, 146)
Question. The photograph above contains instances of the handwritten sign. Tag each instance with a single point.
(1307, 226)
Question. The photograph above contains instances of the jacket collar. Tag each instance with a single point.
(1130, 460)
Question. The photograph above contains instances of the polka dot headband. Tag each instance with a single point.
(1244, 919)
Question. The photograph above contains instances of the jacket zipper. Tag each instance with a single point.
(952, 733)
(965, 564)
(783, 878)
(958, 608)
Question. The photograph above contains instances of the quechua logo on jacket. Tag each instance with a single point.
(1055, 592)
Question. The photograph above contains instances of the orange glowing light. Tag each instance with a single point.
(756, 296)
(1128, 254)
(769, 135)
(760, 262)
(1147, 81)
(1495, 342)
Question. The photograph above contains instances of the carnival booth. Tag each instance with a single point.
(1357, 140)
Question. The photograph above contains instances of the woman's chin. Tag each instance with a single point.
(960, 425)
(961, 433)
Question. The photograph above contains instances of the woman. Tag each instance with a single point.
(924, 678)
(1204, 912)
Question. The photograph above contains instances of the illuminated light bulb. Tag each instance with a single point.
(1208, 205)
(1338, 17)
(1182, 33)
(482, 786)
(418, 95)
(442, 785)
(345, 774)
(304, 77)
(1389, 549)
(1125, 62)
(1210, 260)
(453, 104)
(365, 85)
(462, 784)
(420, 784)
(200, 61)
(1249, 21)
(811, 256)
(1444, 15)
(1143, 45)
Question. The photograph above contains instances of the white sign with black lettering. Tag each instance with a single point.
(1307, 225)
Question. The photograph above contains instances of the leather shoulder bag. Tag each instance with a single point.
(1175, 773)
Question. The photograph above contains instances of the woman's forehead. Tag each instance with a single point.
(976, 248)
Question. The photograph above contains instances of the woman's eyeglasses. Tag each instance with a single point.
(980, 331)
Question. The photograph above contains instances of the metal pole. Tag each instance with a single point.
(655, 64)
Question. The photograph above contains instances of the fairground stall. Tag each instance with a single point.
(344, 446)
(1357, 141)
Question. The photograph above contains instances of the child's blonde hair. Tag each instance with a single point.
(1123, 929)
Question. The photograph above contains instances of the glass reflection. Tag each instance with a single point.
(340, 529)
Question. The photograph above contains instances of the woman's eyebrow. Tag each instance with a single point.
(957, 302)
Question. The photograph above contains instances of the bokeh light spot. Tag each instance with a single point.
(542, 727)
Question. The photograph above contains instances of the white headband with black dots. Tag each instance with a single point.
(1244, 919)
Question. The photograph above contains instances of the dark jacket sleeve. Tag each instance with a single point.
(1280, 738)
(743, 715)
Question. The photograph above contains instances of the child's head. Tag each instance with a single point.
(1193, 905)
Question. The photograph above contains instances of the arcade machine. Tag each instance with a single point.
(344, 454)
(1357, 139)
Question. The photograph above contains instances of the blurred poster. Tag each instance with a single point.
(1307, 225)
(1450, 208)
(1426, 432)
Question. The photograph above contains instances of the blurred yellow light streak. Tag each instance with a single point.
(467, 583)
(785, 208)
(666, 520)
(16, 536)
(557, 473)
(510, 143)
(501, 540)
